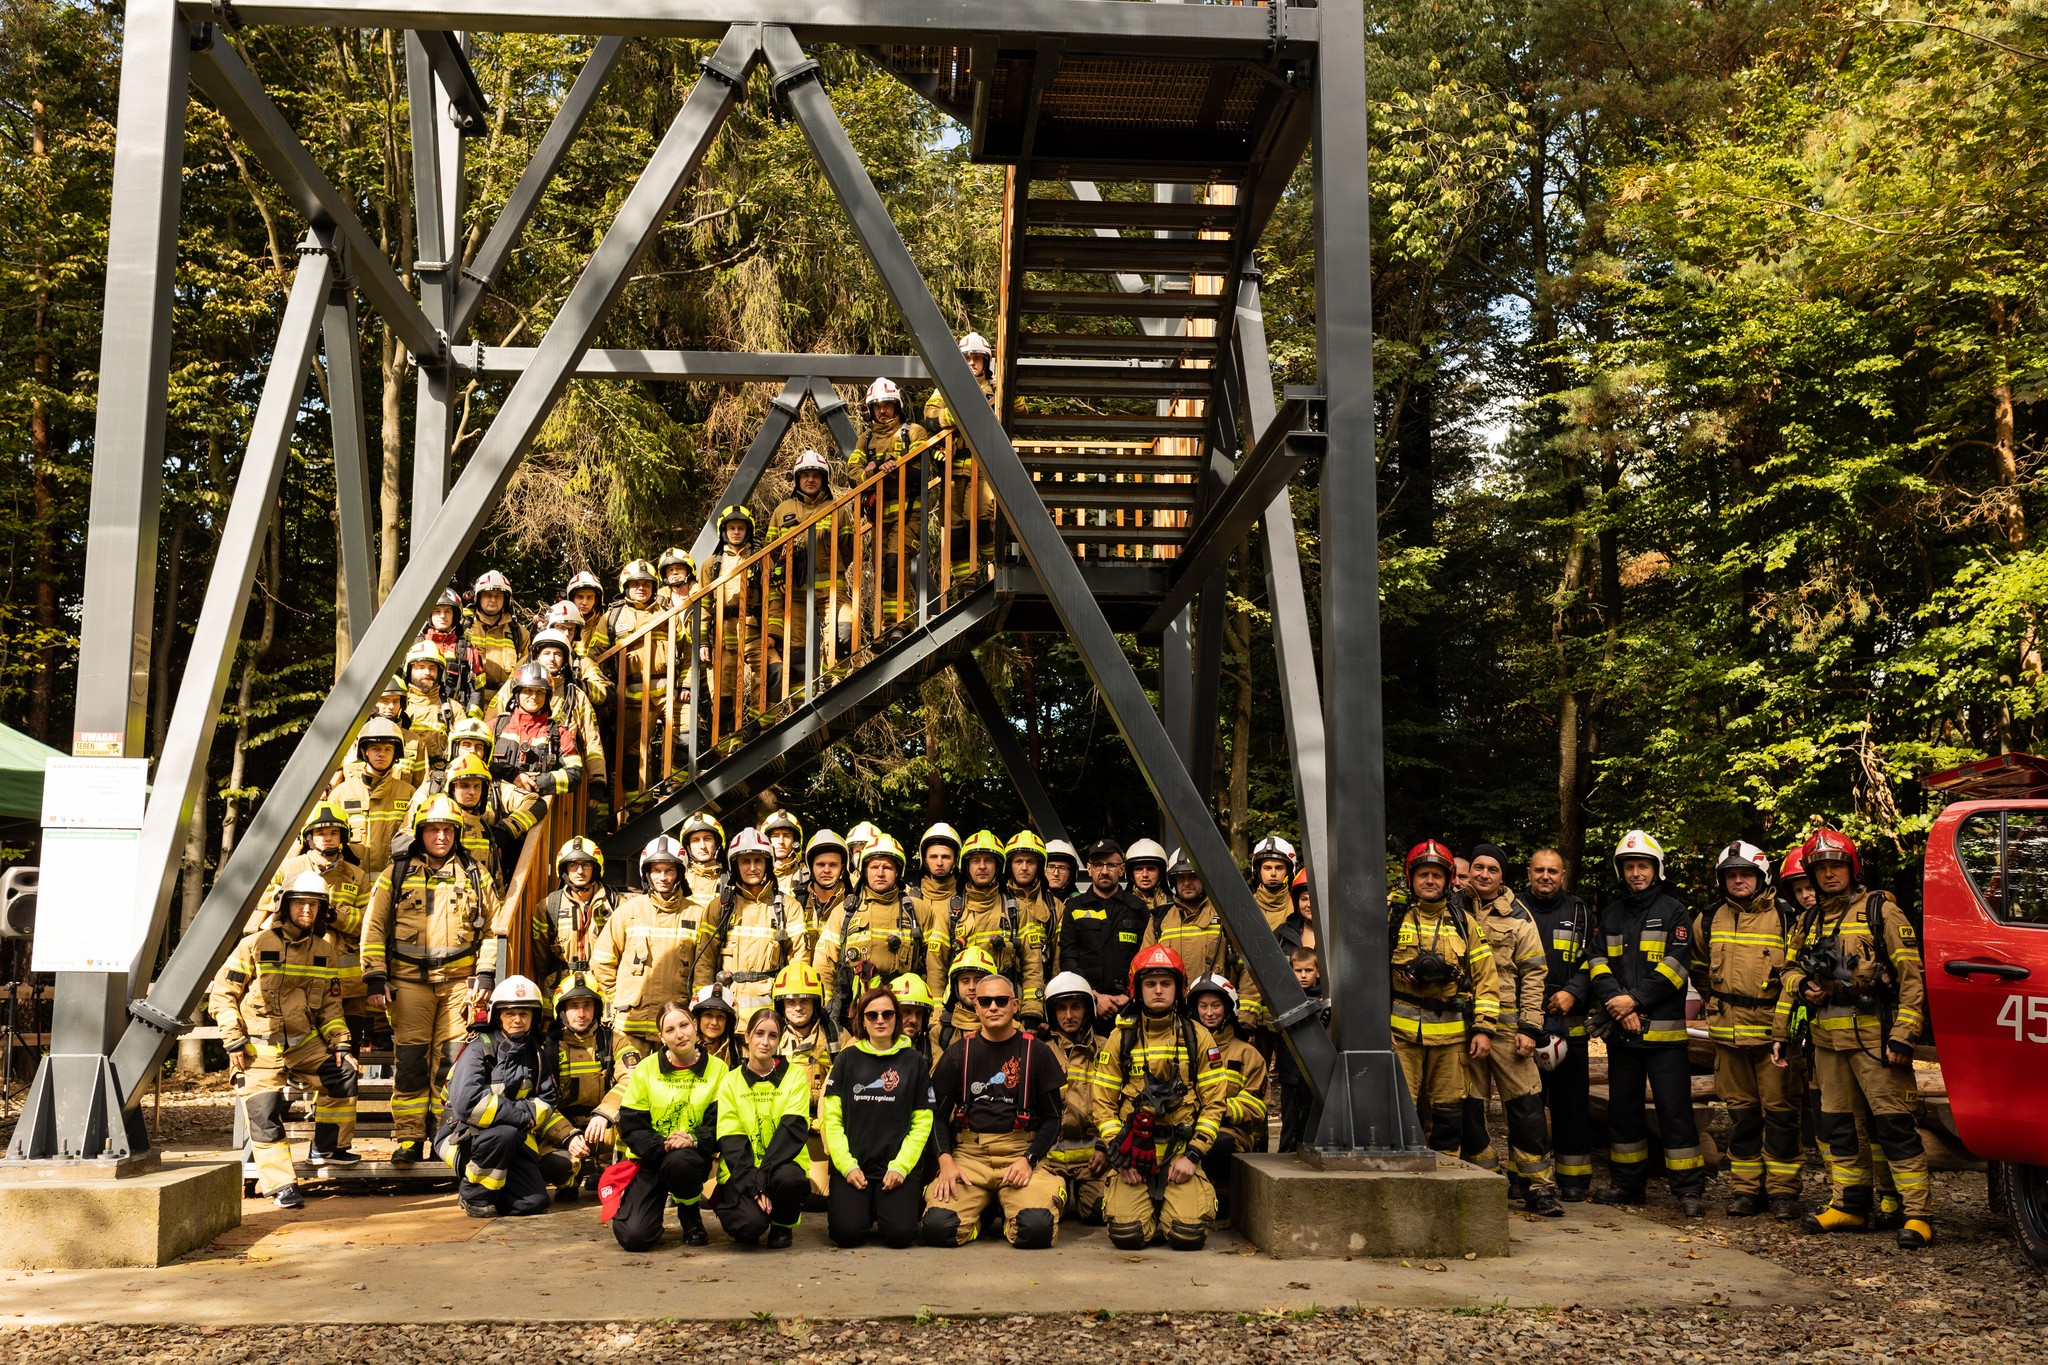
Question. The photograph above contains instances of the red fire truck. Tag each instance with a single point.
(1986, 937)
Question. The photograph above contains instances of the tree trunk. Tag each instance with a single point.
(1237, 652)
(392, 433)
(43, 692)
(266, 586)
(166, 630)
(191, 895)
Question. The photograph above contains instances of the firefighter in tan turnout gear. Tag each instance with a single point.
(1857, 967)
(277, 1003)
(1159, 1102)
(373, 793)
(654, 949)
(1070, 1017)
(323, 850)
(429, 956)
(1738, 960)
(1446, 996)
(1509, 1067)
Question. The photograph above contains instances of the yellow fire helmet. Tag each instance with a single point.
(442, 810)
(983, 841)
(797, 979)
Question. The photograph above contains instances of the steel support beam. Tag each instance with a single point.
(832, 412)
(188, 738)
(704, 367)
(1247, 32)
(1367, 1107)
(455, 76)
(220, 71)
(480, 274)
(782, 414)
(1208, 673)
(1283, 447)
(434, 71)
(73, 1106)
(437, 553)
(796, 79)
(1016, 763)
(353, 519)
(1301, 700)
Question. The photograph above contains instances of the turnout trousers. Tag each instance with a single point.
(1568, 1099)
(1847, 1078)
(1436, 1082)
(1662, 1071)
(1031, 1216)
(1518, 1081)
(429, 1020)
(670, 1176)
(1136, 1214)
(1763, 1115)
(263, 1103)
(501, 1167)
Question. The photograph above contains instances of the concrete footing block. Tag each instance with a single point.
(55, 1222)
(1290, 1209)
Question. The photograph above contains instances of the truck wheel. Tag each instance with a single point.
(2025, 1191)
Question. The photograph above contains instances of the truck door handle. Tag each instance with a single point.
(1967, 967)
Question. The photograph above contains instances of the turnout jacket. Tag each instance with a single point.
(938, 899)
(756, 931)
(889, 930)
(1099, 935)
(1646, 953)
(431, 924)
(661, 1098)
(1441, 1013)
(348, 887)
(1519, 962)
(877, 1111)
(652, 949)
(570, 928)
(500, 643)
(1244, 1091)
(1739, 954)
(1882, 953)
(993, 921)
(1196, 933)
(583, 1072)
(1167, 1047)
(1081, 1060)
(501, 1082)
(373, 806)
(278, 989)
(1566, 928)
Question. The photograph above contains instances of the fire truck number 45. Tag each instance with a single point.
(2026, 1017)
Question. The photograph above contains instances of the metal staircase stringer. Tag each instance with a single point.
(803, 735)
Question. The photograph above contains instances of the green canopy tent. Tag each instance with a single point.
(21, 775)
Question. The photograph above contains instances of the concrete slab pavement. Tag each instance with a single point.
(417, 1259)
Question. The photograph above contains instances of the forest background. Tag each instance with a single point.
(1709, 337)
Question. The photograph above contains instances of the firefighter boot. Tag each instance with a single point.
(1917, 1233)
(1748, 1203)
(1851, 1215)
(1785, 1207)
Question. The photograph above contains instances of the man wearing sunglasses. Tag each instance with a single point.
(997, 1117)
(1100, 932)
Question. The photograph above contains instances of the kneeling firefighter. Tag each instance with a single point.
(502, 1108)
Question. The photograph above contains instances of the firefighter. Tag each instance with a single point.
(1299, 928)
(1213, 1002)
(939, 900)
(1566, 929)
(575, 913)
(857, 840)
(996, 1118)
(744, 641)
(502, 1110)
(1446, 993)
(1738, 957)
(1159, 1106)
(642, 670)
(1024, 883)
(764, 1123)
(991, 918)
(957, 1013)
(575, 690)
(429, 956)
(324, 851)
(893, 508)
(1191, 927)
(654, 948)
(1145, 864)
(431, 709)
(821, 896)
(375, 795)
(500, 640)
(756, 928)
(585, 1062)
(817, 563)
(878, 935)
(1509, 1070)
(877, 1120)
(1062, 867)
(279, 1013)
(915, 1006)
(1100, 931)
(1273, 866)
(678, 578)
(718, 1023)
(808, 1037)
(668, 1124)
(785, 836)
(533, 749)
(1070, 1032)
(1640, 980)
(971, 501)
(496, 815)
(981, 358)
(1856, 966)
(585, 592)
(704, 875)
(448, 632)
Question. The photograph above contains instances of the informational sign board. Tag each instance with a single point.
(87, 919)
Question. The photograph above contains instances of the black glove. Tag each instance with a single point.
(1897, 1054)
